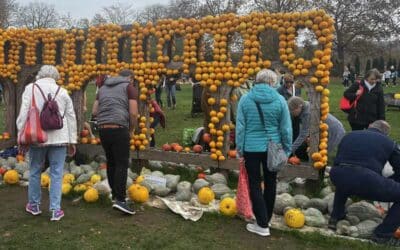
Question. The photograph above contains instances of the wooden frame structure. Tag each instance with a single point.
(81, 55)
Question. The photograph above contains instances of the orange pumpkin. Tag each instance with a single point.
(294, 160)
(178, 148)
(206, 138)
(232, 153)
(197, 149)
(2, 170)
(173, 145)
(20, 158)
(166, 147)
(84, 133)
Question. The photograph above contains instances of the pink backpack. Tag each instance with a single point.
(50, 117)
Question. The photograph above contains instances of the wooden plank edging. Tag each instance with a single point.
(289, 172)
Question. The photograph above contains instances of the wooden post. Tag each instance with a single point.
(11, 112)
(224, 92)
(315, 102)
(77, 99)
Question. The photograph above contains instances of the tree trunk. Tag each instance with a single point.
(341, 53)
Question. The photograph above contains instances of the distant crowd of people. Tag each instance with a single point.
(388, 76)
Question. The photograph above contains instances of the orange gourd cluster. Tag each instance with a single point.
(75, 72)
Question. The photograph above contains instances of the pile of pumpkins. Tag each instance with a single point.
(85, 180)
(198, 149)
(76, 179)
(86, 139)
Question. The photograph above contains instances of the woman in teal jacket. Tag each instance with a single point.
(251, 143)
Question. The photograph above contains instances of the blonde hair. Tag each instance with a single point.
(266, 76)
(295, 102)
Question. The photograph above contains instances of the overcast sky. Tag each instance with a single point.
(87, 8)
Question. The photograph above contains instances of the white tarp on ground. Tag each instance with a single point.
(189, 210)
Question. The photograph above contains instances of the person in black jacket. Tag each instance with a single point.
(357, 170)
(370, 105)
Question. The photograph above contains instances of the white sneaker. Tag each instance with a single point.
(254, 228)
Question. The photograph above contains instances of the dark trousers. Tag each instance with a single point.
(355, 126)
(301, 151)
(158, 96)
(171, 90)
(367, 184)
(263, 204)
(115, 142)
(153, 125)
(346, 82)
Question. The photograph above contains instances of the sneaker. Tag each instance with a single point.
(123, 207)
(56, 215)
(33, 209)
(254, 228)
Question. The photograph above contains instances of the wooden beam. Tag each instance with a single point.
(289, 172)
(4, 144)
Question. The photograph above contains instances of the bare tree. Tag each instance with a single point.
(83, 23)
(218, 7)
(37, 15)
(117, 13)
(67, 21)
(98, 19)
(152, 13)
(184, 8)
(7, 9)
(279, 5)
(363, 19)
(201, 8)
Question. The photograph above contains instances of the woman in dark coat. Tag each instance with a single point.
(370, 105)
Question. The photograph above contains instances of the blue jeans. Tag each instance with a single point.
(171, 90)
(56, 156)
(367, 184)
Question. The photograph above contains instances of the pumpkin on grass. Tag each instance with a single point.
(66, 188)
(68, 178)
(11, 177)
(227, 206)
(44, 180)
(95, 178)
(138, 193)
(80, 188)
(206, 195)
(294, 218)
(139, 179)
(91, 195)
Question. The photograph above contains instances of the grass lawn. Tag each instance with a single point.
(97, 226)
